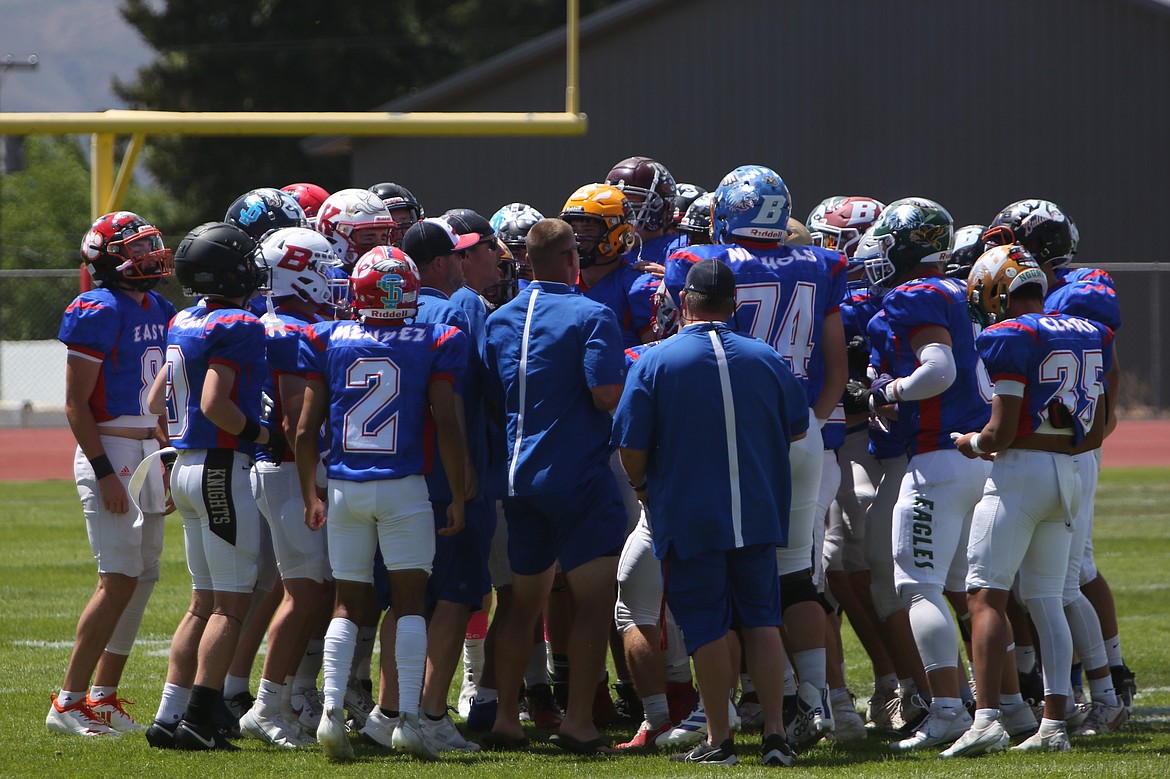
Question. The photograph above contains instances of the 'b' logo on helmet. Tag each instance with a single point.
(771, 209)
(391, 284)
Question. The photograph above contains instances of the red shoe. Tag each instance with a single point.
(682, 698)
(643, 740)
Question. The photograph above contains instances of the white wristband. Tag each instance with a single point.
(975, 444)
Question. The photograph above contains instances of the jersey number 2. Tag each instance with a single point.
(367, 429)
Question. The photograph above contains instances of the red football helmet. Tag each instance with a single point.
(841, 221)
(310, 197)
(650, 188)
(384, 285)
(122, 248)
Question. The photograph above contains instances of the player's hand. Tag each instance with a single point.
(857, 353)
(856, 397)
(315, 514)
(113, 493)
(653, 268)
(963, 444)
(881, 392)
(455, 519)
(169, 508)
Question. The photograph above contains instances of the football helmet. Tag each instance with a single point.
(512, 223)
(308, 196)
(219, 259)
(123, 249)
(696, 222)
(403, 206)
(355, 221)
(297, 258)
(995, 276)
(1040, 227)
(505, 289)
(685, 194)
(603, 222)
(750, 202)
(384, 285)
(840, 221)
(260, 210)
(650, 188)
(968, 247)
(909, 231)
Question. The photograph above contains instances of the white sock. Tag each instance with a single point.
(98, 693)
(1113, 650)
(340, 639)
(234, 685)
(268, 697)
(485, 695)
(410, 653)
(67, 698)
(310, 666)
(984, 717)
(810, 667)
(1102, 690)
(173, 704)
(657, 710)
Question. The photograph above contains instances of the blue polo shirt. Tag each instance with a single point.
(715, 410)
(546, 348)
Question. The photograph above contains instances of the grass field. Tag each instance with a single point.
(46, 576)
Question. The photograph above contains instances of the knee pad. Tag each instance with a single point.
(1085, 627)
(797, 588)
(932, 625)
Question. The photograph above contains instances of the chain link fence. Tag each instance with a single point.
(32, 361)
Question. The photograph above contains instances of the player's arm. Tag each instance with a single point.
(634, 462)
(999, 432)
(470, 477)
(606, 396)
(217, 405)
(449, 432)
(836, 366)
(81, 377)
(935, 373)
(291, 387)
(314, 407)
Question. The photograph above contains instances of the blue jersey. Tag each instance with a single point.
(736, 489)
(546, 348)
(1088, 293)
(935, 300)
(283, 347)
(201, 336)
(107, 326)
(782, 296)
(655, 249)
(630, 295)
(378, 379)
(888, 438)
(1059, 361)
(437, 308)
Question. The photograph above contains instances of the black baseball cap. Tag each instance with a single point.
(712, 278)
(431, 238)
(466, 221)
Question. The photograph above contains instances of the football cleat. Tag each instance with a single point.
(77, 719)
(979, 741)
(410, 737)
(814, 717)
(358, 702)
(693, 729)
(332, 736)
(161, 735)
(445, 737)
(1103, 719)
(110, 711)
(466, 694)
(1125, 683)
(935, 731)
(644, 740)
(776, 752)
(306, 704)
(201, 738)
(750, 712)
(270, 730)
(542, 706)
(1019, 720)
(1052, 742)
(884, 710)
(847, 723)
(379, 729)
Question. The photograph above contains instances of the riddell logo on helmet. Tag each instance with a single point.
(770, 234)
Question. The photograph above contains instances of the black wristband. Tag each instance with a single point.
(251, 430)
(639, 487)
(168, 460)
(101, 466)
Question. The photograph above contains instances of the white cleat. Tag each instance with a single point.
(1053, 742)
(358, 703)
(935, 731)
(412, 738)
(271, 730)
(1103, 719)
(1019, 721)
(77, 720)
(109, 710)
(445, 736)
(848, 724)
(980, 741)
(814, 717)
(332, 736)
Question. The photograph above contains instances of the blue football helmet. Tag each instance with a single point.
(750, 202)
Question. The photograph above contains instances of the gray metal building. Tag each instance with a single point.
(972, 103)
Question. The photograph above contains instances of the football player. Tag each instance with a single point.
(651, 191)
(116, 335)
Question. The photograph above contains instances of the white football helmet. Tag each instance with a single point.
(354, 221)
(297, 260)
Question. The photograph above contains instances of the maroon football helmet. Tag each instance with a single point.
(650, 188)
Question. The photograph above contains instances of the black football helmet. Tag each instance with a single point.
(1048, 233)
(262, 210)
(219, 259)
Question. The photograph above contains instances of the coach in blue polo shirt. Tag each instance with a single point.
(704, 426)
(556, 364)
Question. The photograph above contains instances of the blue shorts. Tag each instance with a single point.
(460, 570)
(574, 526)
(709, 593)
